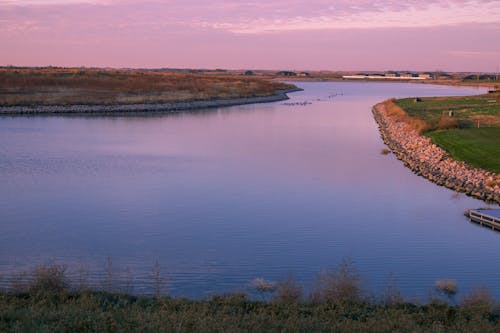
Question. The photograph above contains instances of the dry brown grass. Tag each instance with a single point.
(42, 279)
(263, 286)
(62, 86)
(399, 115)
(478, 300)
(287, 291)
(446, 287)
(341, 285)
(487, 120)
(447, 122)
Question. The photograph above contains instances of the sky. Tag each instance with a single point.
(448, 35)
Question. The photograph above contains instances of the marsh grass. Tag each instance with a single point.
(49, 304)
(40, 280)
(19, 282)
(339, 285)
(107, 281)
(49, 279)
(82, 279)
(158, 280)
(478, 300)
(392, 294)
(287, 291)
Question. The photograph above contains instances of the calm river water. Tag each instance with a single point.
(222, 196)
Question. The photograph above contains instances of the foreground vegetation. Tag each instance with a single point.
(103, 312)
(466, 127)
(48, 303)
(67, 86)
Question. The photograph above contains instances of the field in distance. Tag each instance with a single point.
(68, 86)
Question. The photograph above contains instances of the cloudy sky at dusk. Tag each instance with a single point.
(452, 35)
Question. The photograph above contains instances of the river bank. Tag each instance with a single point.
(280, 95)
(442, 82)
(432, 162)
(48, 300)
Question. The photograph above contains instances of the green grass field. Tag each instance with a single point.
(458, 134)
(477, 146)
(467, 110)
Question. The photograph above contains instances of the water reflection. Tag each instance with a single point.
(223, 196)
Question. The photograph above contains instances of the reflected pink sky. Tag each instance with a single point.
(452, 35)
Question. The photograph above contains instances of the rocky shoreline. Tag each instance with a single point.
(426, 159)
(280, 95)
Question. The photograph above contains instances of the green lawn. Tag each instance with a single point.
(458, 134)
(466, 109)
(477, 146)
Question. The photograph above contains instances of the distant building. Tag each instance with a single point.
(287, 73)
(386, 76)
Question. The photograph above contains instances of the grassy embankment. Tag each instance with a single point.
(47, 303)
(66, 86)
(459, 133)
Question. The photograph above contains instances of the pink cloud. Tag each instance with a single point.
(244, 34)
(260, 16)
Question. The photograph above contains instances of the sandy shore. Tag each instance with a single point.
(281, 95)
(432, 162)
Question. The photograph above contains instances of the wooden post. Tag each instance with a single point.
(478, 123)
